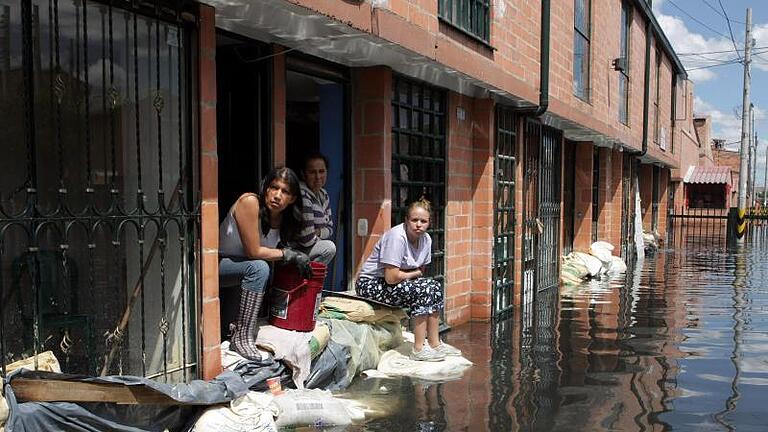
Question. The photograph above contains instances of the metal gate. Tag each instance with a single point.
(628, 209)
(418, 158)
(100, 202)
(541, 208)
(505, 166)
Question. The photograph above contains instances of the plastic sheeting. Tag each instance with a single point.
(366, 342)
(91, 416)
(329, 369)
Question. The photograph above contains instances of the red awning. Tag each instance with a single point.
(708, 175)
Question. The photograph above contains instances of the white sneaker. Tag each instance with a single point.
(447, 350)
(427, 354)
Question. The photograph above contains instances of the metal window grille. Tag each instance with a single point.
(418, 158)
(505, 166)
(100, 208)
(472, 17)
(595, 192)
(550, 197)
(541, 208)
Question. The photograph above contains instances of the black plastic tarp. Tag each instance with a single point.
(193, 398)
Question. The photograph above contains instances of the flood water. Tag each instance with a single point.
(680, 343)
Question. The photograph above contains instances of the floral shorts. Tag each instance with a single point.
(422, 296)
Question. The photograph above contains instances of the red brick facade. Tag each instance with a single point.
(477, 76)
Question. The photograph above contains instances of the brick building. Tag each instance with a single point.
(531, 126)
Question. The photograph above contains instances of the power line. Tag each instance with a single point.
(697, 20)
(720, 13)
(730, 30)
(734, 61)
(717, 52)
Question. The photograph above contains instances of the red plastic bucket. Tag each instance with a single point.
(294, 301)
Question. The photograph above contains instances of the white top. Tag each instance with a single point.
(394, 249)
(230, 243)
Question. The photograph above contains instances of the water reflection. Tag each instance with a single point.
(680, 344)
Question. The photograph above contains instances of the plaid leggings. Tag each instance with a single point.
(422, 296)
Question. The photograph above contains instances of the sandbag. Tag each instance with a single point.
(320, 337)
(344, 308)
(46, 362)
(576, 266)
(315, 407)
(397, 363)
(253, 412)
(600, 244)
(593, 264)
(618, 265)
(3, 406)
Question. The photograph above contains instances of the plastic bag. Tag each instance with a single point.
(253, 412)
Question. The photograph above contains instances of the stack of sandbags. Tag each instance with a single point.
(603, 251)
(573, 270)
(579, 266)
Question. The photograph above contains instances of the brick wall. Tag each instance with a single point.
(210, 319)
(459, 210)
(582, 206)
(609, 222)
(372, 156)
(483, 143)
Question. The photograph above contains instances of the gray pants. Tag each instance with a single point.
(323, 251)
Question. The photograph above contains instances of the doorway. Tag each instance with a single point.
(242, 116)
(316, 122)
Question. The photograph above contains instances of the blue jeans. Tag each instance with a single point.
(248, 274)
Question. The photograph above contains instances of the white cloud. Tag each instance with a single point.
(685, 41)
(725, 125)
(760, 34)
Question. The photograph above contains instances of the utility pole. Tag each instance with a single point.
(744, 150)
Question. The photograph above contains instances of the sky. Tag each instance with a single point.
(699, 33)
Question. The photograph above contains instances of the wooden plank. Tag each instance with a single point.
(46, 390)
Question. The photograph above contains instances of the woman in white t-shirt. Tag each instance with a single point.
(255, 231)
(394, 274)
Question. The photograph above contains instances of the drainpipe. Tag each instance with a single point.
(647, 84)
(537, 111)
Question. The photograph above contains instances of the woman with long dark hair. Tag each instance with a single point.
(259, 229)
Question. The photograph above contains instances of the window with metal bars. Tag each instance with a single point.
(100, 197)
(472, 17)
(581, 42)
(505, 164)
(418, 158)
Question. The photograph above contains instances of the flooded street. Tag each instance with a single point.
(681, 343)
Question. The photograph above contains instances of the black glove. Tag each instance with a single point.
(300, 260)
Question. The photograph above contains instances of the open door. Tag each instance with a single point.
(316, 121)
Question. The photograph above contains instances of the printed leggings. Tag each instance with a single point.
(422, 296)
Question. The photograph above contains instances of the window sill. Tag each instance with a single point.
(466, 33)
